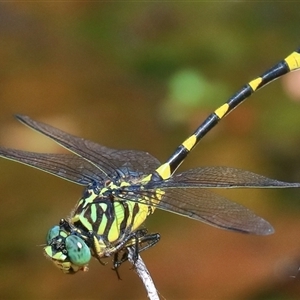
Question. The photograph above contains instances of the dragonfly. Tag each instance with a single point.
(123, 187)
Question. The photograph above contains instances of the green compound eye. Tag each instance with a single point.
(52, 233)
(78, 252)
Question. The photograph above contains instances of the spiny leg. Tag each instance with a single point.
(137, 240)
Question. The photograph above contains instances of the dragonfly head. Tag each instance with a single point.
(67, 250)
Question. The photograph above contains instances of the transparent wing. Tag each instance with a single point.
(208, 207)
(220, 177)
(105, 159)
(186, 195)
(66, 166)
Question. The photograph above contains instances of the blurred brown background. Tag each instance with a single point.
(143, 76)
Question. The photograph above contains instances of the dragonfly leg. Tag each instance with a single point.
(141, 241)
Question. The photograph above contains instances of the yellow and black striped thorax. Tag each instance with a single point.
(117, 207)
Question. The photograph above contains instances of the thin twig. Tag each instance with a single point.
(142, 271)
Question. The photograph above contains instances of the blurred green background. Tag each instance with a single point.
(143, 76)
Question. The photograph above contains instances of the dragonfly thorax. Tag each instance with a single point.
(107, 212)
